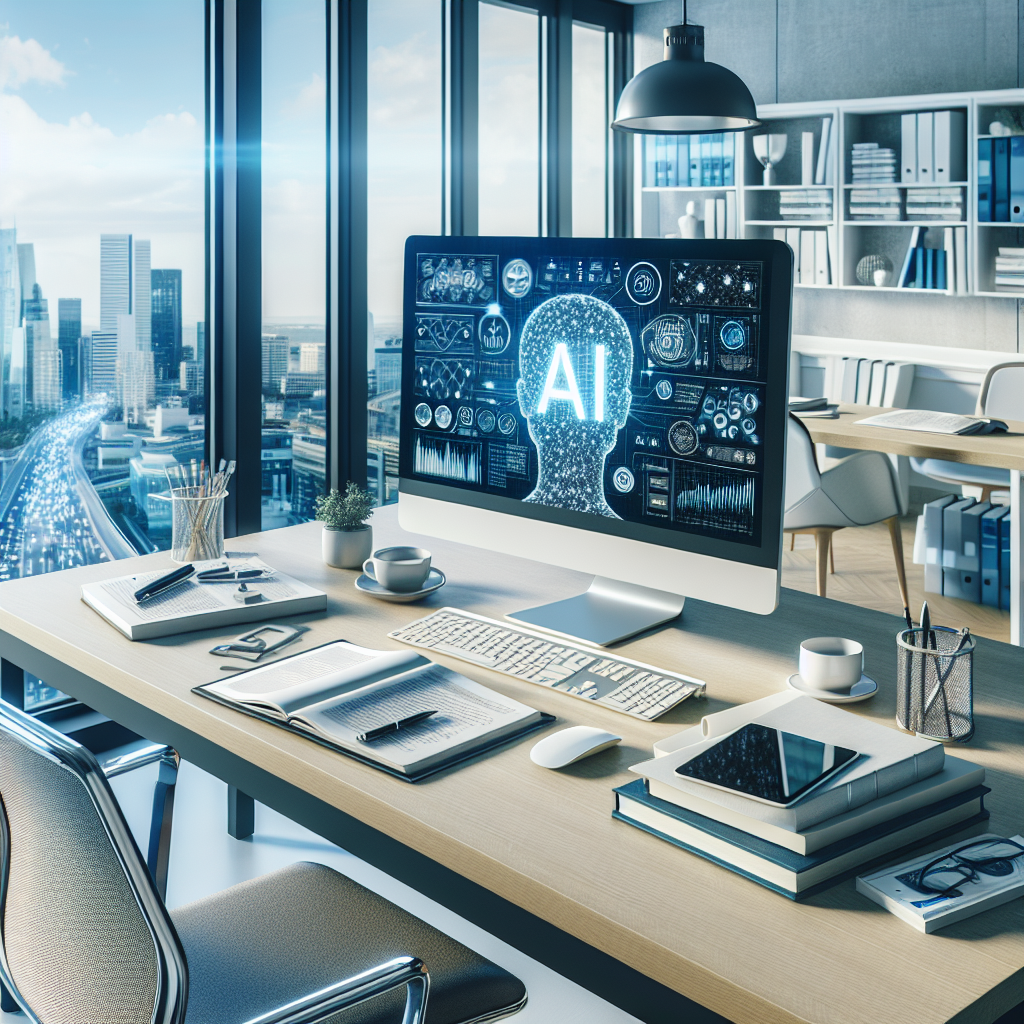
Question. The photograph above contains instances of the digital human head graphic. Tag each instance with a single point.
(575, 365)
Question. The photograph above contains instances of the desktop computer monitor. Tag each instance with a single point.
(616, 406)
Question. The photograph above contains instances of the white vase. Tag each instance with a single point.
(347, 549)
(688, 222)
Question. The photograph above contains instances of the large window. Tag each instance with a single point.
(592, 113)
(293, 450)
(102, 297)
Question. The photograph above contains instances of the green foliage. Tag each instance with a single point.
(348, 511)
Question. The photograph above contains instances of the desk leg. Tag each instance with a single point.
(241, 814)
(1016, 558)
(12, 684)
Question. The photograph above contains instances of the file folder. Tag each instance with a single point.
(950, 146)
(990, 580)
(925, 124)
(985, 179)
(968, 559)
(1004, 563)
(1017, 179)
(952, 545)
(1001, 179)
(908, 149)
(933, 542)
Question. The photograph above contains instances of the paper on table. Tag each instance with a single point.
(932, 422)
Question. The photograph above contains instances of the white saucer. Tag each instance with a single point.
(862, 689)
(434, 581)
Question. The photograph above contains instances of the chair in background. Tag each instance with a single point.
(1001, 397)
(860, 490)
(85, 936)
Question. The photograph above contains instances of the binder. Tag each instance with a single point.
(1004, 563)
(730, 215)
(950, 145)
(1001, 179)
(807, 255)
(1017, 179)
(949, 264)
(985, 179)
(830, 156)
(908, 149)
(709, 219)
(717, 156)
(729, 162)
(851, 370)
(990, 581)
(908, 270)
(793, 241)
(876, 389)
(960, 258)
(720, 218)
(807, 158)
(863, 381)
(952, 546)
(833, 265)
(650, 173)
(919, 271)
(969, 558)
(940, 268)
(820, 258)
(933, 542)
(819, 171)
(705, 165)
(925, 125)
(779, 234)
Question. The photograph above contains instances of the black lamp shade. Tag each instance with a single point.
(685, 95)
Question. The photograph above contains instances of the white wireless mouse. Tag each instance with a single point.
(570, 745)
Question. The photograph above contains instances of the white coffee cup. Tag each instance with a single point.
(831, 663)
(399, 569)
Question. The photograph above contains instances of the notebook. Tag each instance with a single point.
(934, 422)
(334, 693)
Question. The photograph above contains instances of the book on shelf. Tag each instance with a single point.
(985, 154)
(337, 693)
(871, 164)
(193, 605)
(819, 171)
(893, 888)
(1009, 267)
(807, 158)
(889, 760)
(793, 874)
(960, 258)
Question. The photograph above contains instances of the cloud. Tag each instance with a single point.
(312, 98)
(27, 61)
(65, 184)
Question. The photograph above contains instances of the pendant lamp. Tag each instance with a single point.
(684, 94)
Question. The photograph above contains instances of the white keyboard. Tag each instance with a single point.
(619, 683)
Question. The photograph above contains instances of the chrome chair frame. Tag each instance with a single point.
(171, 998)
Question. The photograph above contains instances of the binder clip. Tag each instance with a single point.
(258, 642)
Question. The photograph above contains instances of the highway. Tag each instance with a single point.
(50, 516)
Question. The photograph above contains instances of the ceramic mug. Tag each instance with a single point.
(401, 570)
(831, 663)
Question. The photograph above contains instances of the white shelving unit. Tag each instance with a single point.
(866, 120)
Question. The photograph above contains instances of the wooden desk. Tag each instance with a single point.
(1004, 451)
(534, 856)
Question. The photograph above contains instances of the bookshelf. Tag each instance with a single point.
(851, 237)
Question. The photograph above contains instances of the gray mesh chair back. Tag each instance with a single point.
(84, 937)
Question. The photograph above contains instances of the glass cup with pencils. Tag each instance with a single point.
(197, 511)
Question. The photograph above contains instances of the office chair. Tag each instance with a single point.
(859, 490)
(1002, 397)
(85, 936)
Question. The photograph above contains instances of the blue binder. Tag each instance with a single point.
(1001, 179)
(990, 580)
(985, 179)
(940, 269)
(1004, 563)
(1017, 179)
(952, 547)
(729, 159)
(919, 261)
(929, 268)
(968, 560)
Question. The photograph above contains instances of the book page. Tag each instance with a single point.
(314, 676)
(466, 713)
(923, 419)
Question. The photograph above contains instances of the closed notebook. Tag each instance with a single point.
(889, 761)
(781, 869)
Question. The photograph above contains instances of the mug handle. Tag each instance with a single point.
(368, 569)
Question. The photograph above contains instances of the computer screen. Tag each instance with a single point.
(633, 387)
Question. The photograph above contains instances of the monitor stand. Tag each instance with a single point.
(608, 612)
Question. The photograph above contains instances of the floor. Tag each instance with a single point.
(204, 859)
(866, 576)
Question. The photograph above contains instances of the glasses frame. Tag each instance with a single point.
(961, 862)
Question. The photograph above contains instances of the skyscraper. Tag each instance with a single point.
(125, 285)
(166, 319)
(37, 338)
(10, 306)
(103, 363)
(27, 273)
(69, 336)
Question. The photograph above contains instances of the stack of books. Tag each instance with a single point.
(1009, 269)
(875, 204)
(806, 204)
(872, 165)
(901, 792)
(935, 204)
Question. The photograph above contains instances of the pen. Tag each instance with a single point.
(172, 579)
(384, 730)
(225, 575)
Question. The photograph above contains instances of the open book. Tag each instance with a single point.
(194, 605)
(934, 422)
(339, 691)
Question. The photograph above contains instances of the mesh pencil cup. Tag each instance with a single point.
(197, 525)
(935, 686)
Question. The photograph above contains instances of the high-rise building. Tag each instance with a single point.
(387, 365)
(103, 363)
(275, 361)
(125, 285)
(200, 355)
(166, 321)
(312, 357)
(38, 341)
(69, 338)
(135, 384)
(27, 273)
(10, 309)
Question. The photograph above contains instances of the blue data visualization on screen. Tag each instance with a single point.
(622, 388)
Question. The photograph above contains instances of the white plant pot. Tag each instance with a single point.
(347, 549)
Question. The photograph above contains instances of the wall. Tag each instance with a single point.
(791, 51)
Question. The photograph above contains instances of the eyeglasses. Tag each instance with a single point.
(986, 857)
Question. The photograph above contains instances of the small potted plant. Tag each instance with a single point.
(347, 536)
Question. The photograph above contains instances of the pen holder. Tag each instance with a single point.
(197, 525)
(935, 685)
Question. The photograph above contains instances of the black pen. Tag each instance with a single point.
(927, 637)
(172, 579)
(384, 730)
